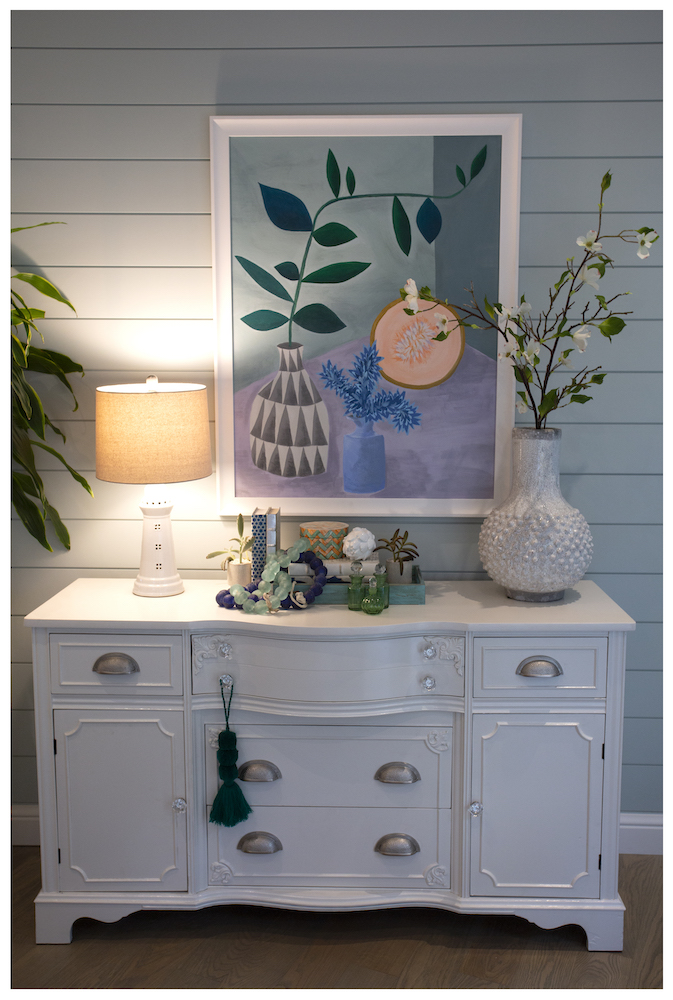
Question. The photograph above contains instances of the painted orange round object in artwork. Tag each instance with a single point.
(412, 359)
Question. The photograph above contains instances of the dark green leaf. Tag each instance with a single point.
(288, 269)
(460, 175)
(21, 395)
(65, 363)
(37, 363)
(22, 452)
(75, 475)
(30, 514)
(402, 226)
(580, 399)
(597, 379)
(478, 162)
(36, 419)
(335, 273)
(333, 235)
(26, 483)
(562, 279)
(264, 279)
(264, 319)
(606, 181)
(598, 266)
(350, 181)
(45, 287)
(548, 403)
(18, 352)
(318, 319)
(333, 174)
(429, 221)
(442, 335)
(611, 326)
(286, 210)
(59, 527)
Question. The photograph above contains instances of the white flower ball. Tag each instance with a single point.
(359, 543)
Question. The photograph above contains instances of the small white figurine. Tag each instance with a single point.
(359, 543)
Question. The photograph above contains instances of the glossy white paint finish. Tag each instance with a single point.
(329, 696)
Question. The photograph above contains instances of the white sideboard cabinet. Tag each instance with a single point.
(462, 754)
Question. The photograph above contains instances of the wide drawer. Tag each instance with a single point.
(337, 765)
(158, 658)
(329, 670)
(576, 665)
(333, 847)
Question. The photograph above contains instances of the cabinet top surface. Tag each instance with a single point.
(460, 604)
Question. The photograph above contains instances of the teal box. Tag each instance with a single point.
(400, 593)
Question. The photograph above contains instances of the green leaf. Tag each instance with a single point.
(19, 352)
(65, 363)
(20, 229)
(333, 174)
(75, 475)
(30, 514)
(24, 315)
(264, 279)
(350, 181)
(22, 453)
(223, 552)
(45, 287)
(478, 162)
(239, 525)
(59, 527)
(523, 375)
(580, 399)
(611, 326)
(248, 545)
(318, 319)
(562, 279)
(489, 309)
(335, 273)
(402, 226)
(460, 175)
(264, 319)
(37, 418)
(548, 402)
(26, 483)
(598, 266)
(333, 235)
(38, 363)
(606, 182)
(288, 269)
(597, 379)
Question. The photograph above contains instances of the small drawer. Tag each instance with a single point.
(338, 765)
(574, 667)
(329, 670)
(80, 664)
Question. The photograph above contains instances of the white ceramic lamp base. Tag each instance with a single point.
(158, 575)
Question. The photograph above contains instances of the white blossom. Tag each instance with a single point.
(580, 337)
(442, 322)
(589, 277)
(531, 349)
(521, 406)
(410, 288)
(565, 362)
(589, 241)
(645, 241)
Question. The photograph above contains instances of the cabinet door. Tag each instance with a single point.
(538, 780)
(118, 776)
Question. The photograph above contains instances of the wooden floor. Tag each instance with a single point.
(249, 947)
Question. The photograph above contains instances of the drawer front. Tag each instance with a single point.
(582, 662)
(337, 765)
(333, 847)
(329, 670)
(158, 658)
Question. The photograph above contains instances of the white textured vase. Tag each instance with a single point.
(535, 544)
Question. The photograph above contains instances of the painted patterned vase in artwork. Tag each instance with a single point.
(289, 425)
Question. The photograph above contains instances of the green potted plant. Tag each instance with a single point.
(403, 552)
(238, 569)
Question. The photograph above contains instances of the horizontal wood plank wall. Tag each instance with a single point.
(111, 136)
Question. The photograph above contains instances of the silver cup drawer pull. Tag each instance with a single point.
(539, 666)
(259, 842)
(397, 773)
(259, 770)
(115, 663)
(397, 845)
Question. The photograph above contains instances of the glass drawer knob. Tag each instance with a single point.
(429, 652)
(179, 806)
(429, 683)
(475, 809)
(225, 650)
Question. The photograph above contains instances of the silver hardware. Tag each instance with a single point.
(259, 842)
(397, 773)
(429, 652)
(116, 663)
(259, 770)
(179, 806)
(397, 845)
(539, 666)
(227, 680)
(475, 809)
(225, 650)
(429, 683)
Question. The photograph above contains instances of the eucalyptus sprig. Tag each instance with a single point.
(527, 336)
(242, 544)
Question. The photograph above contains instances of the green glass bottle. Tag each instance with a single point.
(372, 599)
(382, 583)
(355, 590)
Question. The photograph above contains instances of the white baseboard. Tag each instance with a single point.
(639, 833)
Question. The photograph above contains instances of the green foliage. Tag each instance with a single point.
(28, 414)
(399, 547)
(241, 544)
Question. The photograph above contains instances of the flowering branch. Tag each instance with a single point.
(526, 338)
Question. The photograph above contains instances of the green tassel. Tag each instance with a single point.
(229, 807)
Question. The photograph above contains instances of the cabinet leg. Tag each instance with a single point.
(604, 928)
(54, 919)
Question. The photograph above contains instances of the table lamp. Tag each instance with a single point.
(153, 433)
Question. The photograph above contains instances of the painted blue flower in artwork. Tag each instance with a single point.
(361, 401)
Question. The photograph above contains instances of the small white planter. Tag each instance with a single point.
(394, 575)
(239, 573)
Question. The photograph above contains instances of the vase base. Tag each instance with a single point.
(525, 595)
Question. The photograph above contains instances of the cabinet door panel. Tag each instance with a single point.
(539, 781)
(118, 774)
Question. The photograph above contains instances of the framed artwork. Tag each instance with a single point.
(330, 398)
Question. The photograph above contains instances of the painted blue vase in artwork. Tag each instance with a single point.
(364, 459)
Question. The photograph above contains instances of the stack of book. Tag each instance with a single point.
(266, 532)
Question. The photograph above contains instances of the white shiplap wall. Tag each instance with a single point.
(111, 136)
